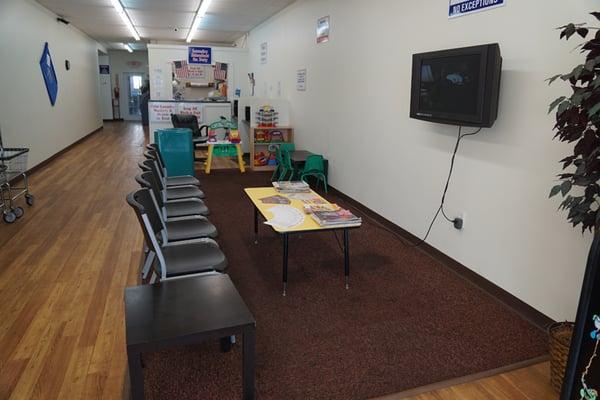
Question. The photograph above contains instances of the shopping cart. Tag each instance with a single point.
(13, 164)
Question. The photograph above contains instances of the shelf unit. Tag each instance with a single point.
(261, 148)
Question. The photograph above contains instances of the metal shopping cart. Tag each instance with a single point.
(13, 164)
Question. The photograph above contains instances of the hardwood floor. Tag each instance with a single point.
(63, 268)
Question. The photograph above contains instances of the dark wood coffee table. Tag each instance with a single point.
(183, 312)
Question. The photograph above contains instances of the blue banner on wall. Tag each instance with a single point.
(200, 55)
(461, 7)
(49, 74)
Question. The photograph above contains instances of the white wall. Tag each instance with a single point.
(122, 62)
(105, 89)
(356, 109)
(26, 117)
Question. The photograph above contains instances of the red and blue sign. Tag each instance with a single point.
(462, 7)
(200, 55)
(49, 74)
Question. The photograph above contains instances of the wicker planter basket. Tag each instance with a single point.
(559, 343)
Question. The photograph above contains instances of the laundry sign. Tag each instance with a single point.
(200, 55)
(459, 8)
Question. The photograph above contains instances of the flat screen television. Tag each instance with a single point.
(458, 86)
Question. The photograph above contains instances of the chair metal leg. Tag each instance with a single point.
(148, 264)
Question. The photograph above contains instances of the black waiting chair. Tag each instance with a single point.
(177, 259)
(173, 208)
(190, 122)
(154, 153)
(172, 192)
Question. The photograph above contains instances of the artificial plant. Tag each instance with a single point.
(578, 122)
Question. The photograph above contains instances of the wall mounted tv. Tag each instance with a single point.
(458, 86)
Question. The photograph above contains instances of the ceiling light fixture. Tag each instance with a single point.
(125, 17)
(127, 47)
(199, 15)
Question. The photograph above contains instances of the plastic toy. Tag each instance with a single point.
(260, 159)
(234, 136)
(277, 136)
(266, 116)
(272, 159)
(260, 137)
(225, 124)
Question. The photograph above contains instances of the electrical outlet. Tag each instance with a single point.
(459, 222)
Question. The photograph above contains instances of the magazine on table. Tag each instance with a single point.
(291, 186)
(277, 199)
(333, 218)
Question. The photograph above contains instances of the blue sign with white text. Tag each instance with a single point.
(461, 7)
(49, 74)
(200, 55)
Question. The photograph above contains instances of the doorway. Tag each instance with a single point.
(133, 86)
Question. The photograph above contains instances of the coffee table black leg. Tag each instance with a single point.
(347, 257)
(136, 375)
(255, 225)
(248, 373)
(285, 262)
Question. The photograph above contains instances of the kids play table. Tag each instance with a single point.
(224, 148)
(307, 226)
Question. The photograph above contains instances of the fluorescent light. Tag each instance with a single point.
(125, 17)
(127, 47)
(199, 15)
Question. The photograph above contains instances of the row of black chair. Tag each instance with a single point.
(179, 238)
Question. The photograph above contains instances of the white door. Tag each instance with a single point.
(133, 83)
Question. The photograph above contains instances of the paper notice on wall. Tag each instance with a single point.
(264, 53)
(197, 72)
(301, 80)
(323, 27)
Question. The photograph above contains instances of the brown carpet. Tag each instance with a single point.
(405, 322)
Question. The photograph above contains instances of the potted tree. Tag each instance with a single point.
(572, 349)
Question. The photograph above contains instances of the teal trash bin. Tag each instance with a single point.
(177, 150)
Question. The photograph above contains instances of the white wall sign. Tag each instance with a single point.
(323, 26)
(459, 8)
(264, 52)
(160, 111)
(301, 80)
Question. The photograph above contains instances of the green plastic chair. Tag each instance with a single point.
(284, 166)
(314, 166)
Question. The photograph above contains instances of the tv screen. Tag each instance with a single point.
(458, 86)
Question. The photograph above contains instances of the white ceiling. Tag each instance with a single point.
(165, 20)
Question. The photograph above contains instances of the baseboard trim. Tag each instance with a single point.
(526, 311)
(464, 379)
(55, 156)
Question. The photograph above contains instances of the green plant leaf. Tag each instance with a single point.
(594, 110)
(555, 190)
(555, 103)
(590, 64)
(552, 79)
(565, 187)
(564, 106)
(582, 32)
(578, 70)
